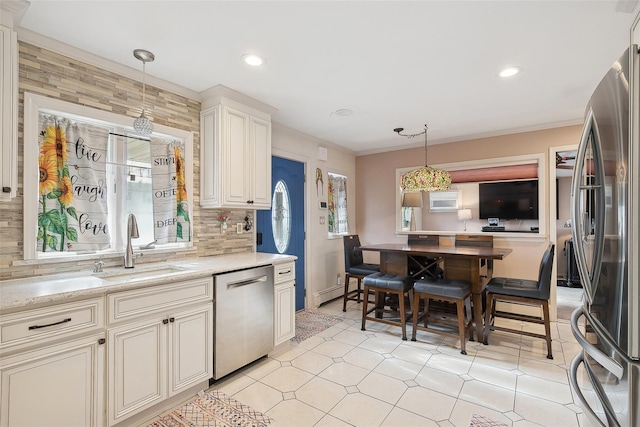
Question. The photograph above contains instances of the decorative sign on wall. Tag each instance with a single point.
(319, 180)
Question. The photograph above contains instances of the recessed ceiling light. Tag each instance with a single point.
(510, 71)
(253, 60)
(343, 112)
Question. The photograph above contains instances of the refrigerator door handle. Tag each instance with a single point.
(589, 412)
(609, 364)
(582, 226)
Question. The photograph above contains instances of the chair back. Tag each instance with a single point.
(474, 240)
(544, 276)
(483, 240)
(423, 239)
(352, 252)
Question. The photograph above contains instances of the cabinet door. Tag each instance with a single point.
(237, 168)
(137, 367)
(209, 158)
(8, 113)
(260, 135)
(284, 310)
(64, 382)
(190, 348)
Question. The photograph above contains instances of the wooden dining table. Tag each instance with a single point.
(469, 263)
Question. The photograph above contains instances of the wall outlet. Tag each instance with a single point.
(239, 228)
(339, 280)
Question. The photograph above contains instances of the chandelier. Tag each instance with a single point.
(425, 178)
(142, 124)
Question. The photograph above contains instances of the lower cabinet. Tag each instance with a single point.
(285, 320)
(160, 354)
(58, 385)
(284, 303)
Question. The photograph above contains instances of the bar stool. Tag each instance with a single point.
(525, 292)
(354, 267)
(383, 284)
(454, 291)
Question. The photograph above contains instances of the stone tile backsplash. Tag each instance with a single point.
(50, 74)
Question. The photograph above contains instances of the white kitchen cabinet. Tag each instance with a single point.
(53, 357)
(285, 303)
(163, 346)
(235, 157)
(8, 111)
(137, 368)
(60, 385)
(190, 348)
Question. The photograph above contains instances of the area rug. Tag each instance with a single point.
(482, 421)
(309, 323)
(212, 409)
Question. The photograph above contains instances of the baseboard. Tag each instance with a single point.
(329, 294)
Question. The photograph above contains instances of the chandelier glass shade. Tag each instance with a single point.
(424, 178)
(142, 125)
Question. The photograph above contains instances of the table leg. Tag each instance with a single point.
(477, 315)
(469, 269)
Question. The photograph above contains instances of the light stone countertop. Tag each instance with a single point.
(20, 294)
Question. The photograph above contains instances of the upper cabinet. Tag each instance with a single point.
(9, 99)
(235, 151)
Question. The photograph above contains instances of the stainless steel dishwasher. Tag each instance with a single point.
(243, 307)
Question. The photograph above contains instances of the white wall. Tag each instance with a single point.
(324, 263)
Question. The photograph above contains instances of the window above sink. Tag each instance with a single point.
(77, 205)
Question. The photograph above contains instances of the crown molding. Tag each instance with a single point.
(12, 12)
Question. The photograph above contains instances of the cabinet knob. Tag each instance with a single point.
(102, 341)
(172, 319)
(165, 321)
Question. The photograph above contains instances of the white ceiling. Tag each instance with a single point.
(394, 63)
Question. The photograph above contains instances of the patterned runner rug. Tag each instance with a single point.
(212, 409)
(481, 421)
(309, 323)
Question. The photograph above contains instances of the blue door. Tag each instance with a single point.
(281, 230)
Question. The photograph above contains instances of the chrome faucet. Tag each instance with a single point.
(97, 266)
(132, 233)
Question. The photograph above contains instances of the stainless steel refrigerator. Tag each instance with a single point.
(605, 375)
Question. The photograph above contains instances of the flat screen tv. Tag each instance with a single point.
(509, 199)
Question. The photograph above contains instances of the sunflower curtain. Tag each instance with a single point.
(337, 194)
(72, 209)
(170, 202)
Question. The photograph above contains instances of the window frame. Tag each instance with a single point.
(332, 235)
(533, 158)
(33, 105)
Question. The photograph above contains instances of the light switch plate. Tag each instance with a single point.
(239, 228)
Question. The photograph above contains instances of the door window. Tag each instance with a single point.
(281, 216)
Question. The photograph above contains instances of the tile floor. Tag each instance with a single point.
(348, 377)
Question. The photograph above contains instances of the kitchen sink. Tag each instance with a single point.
(125, 275)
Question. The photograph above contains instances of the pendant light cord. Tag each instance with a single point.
(425, 144)
(144, 63)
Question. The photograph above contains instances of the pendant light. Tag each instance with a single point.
(142, 124)
(425, 178)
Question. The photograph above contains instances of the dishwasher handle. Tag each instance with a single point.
(246, 282)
